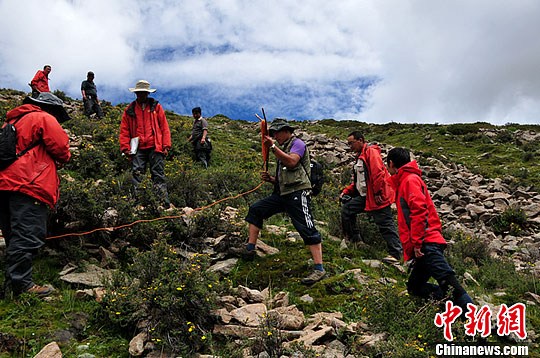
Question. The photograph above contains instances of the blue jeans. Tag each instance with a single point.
(383, 218)
(434, 264)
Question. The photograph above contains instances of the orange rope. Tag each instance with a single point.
(110, 229)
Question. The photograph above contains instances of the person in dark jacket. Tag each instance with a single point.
(199, 137)
(90, 97)
(420, 232)
(29, 185)
(145, 139)
(291, 195)
(369, 192)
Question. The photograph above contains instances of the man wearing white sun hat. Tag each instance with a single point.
(145, 138)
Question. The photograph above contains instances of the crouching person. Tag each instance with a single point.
(291, 195)
(29, 185)
(420, 232)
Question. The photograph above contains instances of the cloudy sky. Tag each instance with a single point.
(378, 61)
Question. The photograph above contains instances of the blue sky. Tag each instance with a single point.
(409, 61)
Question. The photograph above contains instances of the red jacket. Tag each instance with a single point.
(149, 125)
(40, 82)
(34, 173)
(376, 176)
(418, 221)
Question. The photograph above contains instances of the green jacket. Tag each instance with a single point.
(297, 178)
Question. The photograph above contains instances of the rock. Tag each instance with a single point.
(263, 249)
(306, 298)
(443, 192)
(223, 314)
(289, 318)
(281, 299)
(92, 276)
(236, 331)
(252, 296)
(110, 217)
(51, 350)
(310, 337)
(469, 278)
(107, 257)
(223, 267)
(136, 345)
(250, 314)
(373, 263)
(532, 210)
(373, 339)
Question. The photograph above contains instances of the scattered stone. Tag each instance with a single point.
(51, 350)
(136, 345)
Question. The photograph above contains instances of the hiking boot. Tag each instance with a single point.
(248, 255)
(243, 252)
(313, 277)
(41, 291)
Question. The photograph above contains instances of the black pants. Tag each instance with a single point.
(91, 105)
(297, 205)
(202, 151)
(434, 264)
(382, 217)
(156, 162)
(23, 221)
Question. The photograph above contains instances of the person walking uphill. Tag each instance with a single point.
(90, 98)
(291, 195)
(40, 82)
(420, 232)
(369, 192)
(29, 185)
(199, 137)
(145, 139)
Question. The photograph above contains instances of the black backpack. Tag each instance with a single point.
(8, 145)
(316, 177)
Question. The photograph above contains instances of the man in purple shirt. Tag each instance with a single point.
(292, 189)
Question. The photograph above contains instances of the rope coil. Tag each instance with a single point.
(114, 228)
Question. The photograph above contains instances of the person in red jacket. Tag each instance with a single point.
(420, 232)
(40, 82)
(29, 185)
(369, 192)
(145, 138)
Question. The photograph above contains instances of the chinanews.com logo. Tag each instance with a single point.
(479, 322)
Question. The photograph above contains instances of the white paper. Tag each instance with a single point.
(134, 144)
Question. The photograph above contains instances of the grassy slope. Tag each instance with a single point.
(235, 166)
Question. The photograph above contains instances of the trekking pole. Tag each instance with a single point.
(264, 132)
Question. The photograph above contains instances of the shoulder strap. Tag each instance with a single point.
(27, 149)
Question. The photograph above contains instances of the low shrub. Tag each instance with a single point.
(512, 221)
(171, 294)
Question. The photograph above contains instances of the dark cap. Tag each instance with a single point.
(90, 73)
(279, 124)
(50, 104)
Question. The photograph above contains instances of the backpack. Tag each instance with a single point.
(316, 177)
(8, 145)
(315, 173)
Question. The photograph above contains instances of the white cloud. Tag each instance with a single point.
(437, 61)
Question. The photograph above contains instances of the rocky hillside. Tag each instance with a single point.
(171, 284)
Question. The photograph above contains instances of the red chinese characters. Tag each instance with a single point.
(479, 321)
(509, 320)
(512, 320)
(446, 319)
